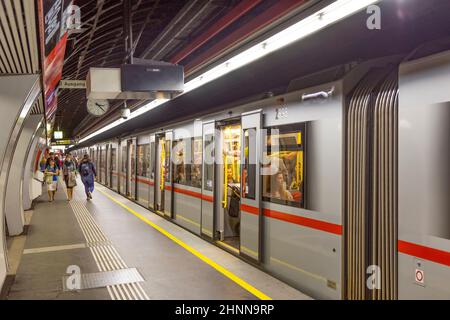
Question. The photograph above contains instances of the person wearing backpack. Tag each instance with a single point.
(87, 172)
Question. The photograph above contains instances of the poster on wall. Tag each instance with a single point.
(53, 40)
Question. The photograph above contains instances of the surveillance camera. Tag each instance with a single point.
(125, 113)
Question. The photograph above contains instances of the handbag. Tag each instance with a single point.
(48, 179)
(72, 180)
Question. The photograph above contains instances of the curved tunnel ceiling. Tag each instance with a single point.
(162, 30)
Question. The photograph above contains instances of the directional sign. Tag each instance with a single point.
(62, 142)
(72, 84)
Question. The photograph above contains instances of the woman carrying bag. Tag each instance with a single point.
(70, 175)
(51, 179)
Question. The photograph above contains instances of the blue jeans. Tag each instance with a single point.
(88, 183)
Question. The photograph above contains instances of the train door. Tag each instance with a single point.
(228, 184)
(114, 172)
(123, 168)
(131, 168)
(107, 169)
(142, 170)
(160, 172)
(168, 183)
(103, 164)
(97, 163)
(251, 207)
(152, 171)
(207, 207)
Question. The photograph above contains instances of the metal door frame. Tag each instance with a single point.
(205, 193)
(257, 116)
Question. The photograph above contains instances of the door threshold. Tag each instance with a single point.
(228, 247)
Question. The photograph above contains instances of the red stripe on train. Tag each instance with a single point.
(306, 222)
(427, 253)
(150, 183)
(190, 193)
(301, 221)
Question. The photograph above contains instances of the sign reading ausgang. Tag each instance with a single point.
(72, 84)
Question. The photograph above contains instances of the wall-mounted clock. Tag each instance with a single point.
(97, 107)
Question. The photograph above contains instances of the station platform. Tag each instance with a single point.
(128, 253)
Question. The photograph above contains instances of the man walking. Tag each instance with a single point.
(87, 172)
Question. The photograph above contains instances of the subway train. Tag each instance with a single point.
(338, 187)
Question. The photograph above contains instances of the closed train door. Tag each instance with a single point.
(152, 172)
(114, 163)
(131, 176)
(142, 170)
(168, 182)
(103, 164)
(123, 168)
(228, 184)
(251, 209)
(107, 165)
(207, 207)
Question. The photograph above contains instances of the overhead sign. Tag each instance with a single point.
(62, 142)
(58, 135)
(72, 84)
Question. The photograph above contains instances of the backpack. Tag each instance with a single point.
(234, 207)
(85, 169)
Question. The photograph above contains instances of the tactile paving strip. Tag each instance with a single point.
(106, 257)
(104, 279)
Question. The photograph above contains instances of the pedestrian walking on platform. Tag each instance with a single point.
(51, 179)
(88, 173)
(70, 175)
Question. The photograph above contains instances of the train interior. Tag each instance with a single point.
(160, 174)
(229, 184)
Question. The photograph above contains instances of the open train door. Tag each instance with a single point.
(207, 208)
(251, 208)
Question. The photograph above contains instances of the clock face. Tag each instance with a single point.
(97, 107)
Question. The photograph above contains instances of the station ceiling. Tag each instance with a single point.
(178, 31)
(414, 26)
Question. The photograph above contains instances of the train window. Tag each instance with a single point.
(143, 160)
(283, 165)
(209, 162)
(113, 159)
(152, 165)
(167, 163)
(179, 162)
(249, 165)
(133, 159)
(124, 159)
(196, 167)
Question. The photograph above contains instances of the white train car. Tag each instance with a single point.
(338, 187)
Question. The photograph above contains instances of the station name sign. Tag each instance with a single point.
(72, 84)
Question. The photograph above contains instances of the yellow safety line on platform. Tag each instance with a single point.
(199, 255)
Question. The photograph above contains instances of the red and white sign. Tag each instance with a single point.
(419, 276)
(53, 36)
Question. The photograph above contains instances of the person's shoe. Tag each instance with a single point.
(90, 195)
